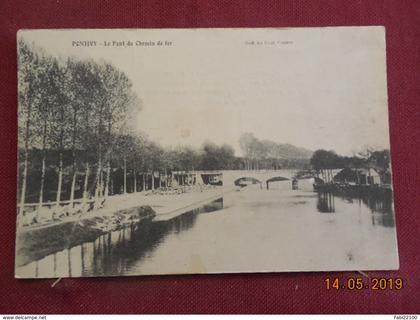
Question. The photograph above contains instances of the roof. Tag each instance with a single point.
(351, 173)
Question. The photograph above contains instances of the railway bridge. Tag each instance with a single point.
(230, 177)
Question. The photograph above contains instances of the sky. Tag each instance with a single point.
(311, 87)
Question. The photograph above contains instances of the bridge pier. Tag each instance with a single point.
(230, 176)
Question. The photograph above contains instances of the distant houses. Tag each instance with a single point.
(362, 176)
(197, 177)
(356, 181)
(371, 169)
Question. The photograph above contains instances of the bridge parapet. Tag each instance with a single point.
(230, 176)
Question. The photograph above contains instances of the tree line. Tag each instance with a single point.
(324, 161)
(267, 154)
(70, 113)
(75, 137)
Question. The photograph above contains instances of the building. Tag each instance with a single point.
(360, 176)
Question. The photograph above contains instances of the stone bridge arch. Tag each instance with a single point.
(275, 179)
(231, 177)
(244, 181)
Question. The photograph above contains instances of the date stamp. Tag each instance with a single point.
(359, 283)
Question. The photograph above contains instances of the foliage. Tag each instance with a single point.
(70, 105)
(74, 131)
(323, 159)
(267, 154)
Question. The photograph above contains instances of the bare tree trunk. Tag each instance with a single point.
(125, 175)
(98, 179)
(99, 175)
(73, 181)
(43, 168)
(153, 180)
(135, 180)
(87, 170)
(25, 163)
(24, 179)
(41, 188)
(99, 171)
(60, 161)
(60, 179)
(73, 187)
(85, 187)
(144, 182)
(102, 180)
(108, 168)
(107, 179)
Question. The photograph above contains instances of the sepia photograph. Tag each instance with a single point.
(200, 151)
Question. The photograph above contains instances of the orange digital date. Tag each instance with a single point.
(364, 283)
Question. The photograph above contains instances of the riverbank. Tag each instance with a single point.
(36, 241)
(356, 191)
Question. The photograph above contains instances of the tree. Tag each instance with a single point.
(44, 113)
(88, 89)
(323, 161)
(247, 143)
(60, 98)
(129, 150)
(29, 69)
(70, 110)
(183, 158)
(380, 160)
(266, 154)
(76, 72)
(217, 158)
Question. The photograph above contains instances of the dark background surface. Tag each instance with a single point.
(247, 293)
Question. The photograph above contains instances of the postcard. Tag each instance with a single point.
(189, 151)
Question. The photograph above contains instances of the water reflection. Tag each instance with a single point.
(113, 253)
(325, 202)
(380, 206)
(229, 237)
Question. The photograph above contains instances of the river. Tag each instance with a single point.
(251, 230)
